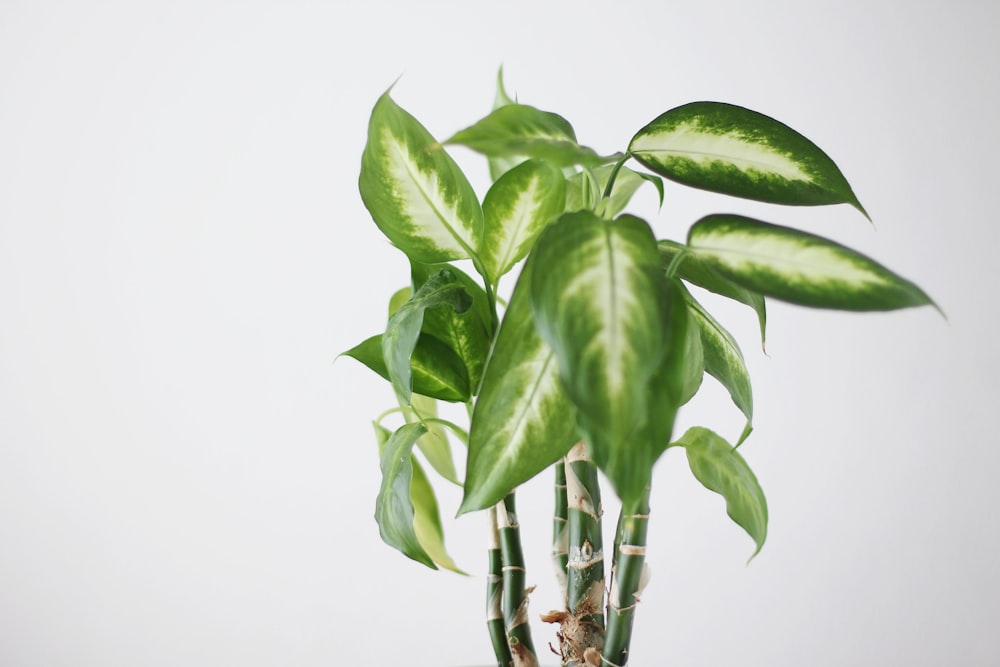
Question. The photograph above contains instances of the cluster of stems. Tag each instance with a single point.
(595, 629)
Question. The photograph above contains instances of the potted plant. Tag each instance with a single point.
(602, 340)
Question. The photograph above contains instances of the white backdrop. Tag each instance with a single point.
(186, 477)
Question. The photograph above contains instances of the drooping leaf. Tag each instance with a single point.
(523, 421)
(799, 267)
(433, 444)
(728, 149)
(516, 209)
(720, 468)
(414, 191)
(437, 371)
(393, 507)
(600, 305)
(468, 333)
(403, 330)
(585, 188)
(427, 520)
(691, 269)
(723, 358)
(519, 130)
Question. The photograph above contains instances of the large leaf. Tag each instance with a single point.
(516, 209)
(436, 371)
(519, 130)
(599, 300)
(523, 421)
(403, 330)
(414, 191)
(720, 468)
(723, 358)
(468, 333)
(799, 267)
(585, 188)
(394, 510)
(735, 151)
(688, 267)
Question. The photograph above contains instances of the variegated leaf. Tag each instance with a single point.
(403, 330)
(427, 520)
(720, 468)
(414, 191)
(436, 371)
(600, 305)
(723, 358)
(516, 209)
(523, 421)
(686, 266)
(393, 507)
(728, 149)
(519, 130)
(799, 267)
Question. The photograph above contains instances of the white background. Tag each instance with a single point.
(186, 477)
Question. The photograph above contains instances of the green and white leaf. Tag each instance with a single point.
(403, 330)
(723, 358)
(585, 188)
(728, 149)
(414, 191)
(519, 130)
(468, 333)
(394, 509)
(720, 468)
(523, 421)
(799, 267)
(427, 520)
(600, 305)
(501, 165)
(516, 209)
(687, 266)
(436, 370)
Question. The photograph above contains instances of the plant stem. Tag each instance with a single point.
(515, 595)
(614, 175)
(585, 572)
(628, 579)
(560, 536)
(494, 594)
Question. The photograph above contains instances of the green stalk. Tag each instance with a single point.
(628, 579)
(515, 595)
(583, 629)
(494, 594)
(560, 536)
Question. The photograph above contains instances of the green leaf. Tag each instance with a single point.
(723, 358)
(394, 510)
(523, 421)
(516, 209)
(434, 444)
(414, 191)
(720, 468)
(688, 267)
(436, 370)
(582, 187)
(735, 151)
(600, 305)
(469, 333)
(501, 165)
(398, 298)
(403, 330)
(427, 520)
(519, 130)
(798, 267)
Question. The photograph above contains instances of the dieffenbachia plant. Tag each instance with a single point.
(600, 344)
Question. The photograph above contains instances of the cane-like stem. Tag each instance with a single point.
(586, 549)
(560, 535)
(494, 595)
(629, 576)
(515, 595)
